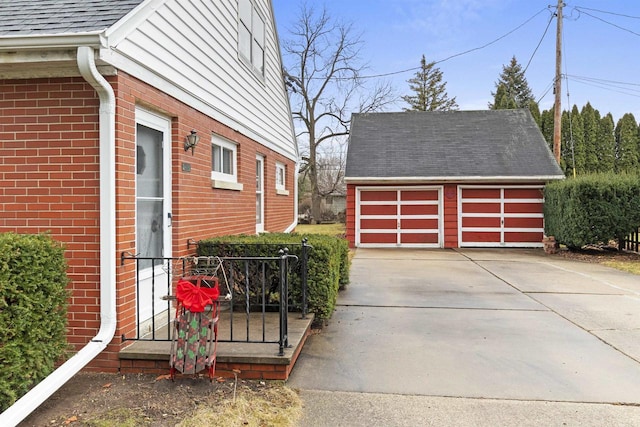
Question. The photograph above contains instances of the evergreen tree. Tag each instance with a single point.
(627, 144)
(591, 125)
(429, 90)
(606, 150)
(573, 144)
(546, 126)
(513, 86)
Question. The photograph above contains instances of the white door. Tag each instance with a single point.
(153, 210)
(259, 194)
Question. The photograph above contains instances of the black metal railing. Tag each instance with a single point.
(632, 242)
(253, 290)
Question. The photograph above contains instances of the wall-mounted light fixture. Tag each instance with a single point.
(191, 141)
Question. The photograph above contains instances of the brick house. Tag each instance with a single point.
(97, 101)
(447, 179)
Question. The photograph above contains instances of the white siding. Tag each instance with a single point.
(189, 49)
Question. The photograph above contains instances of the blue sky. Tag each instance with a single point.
(397, 32)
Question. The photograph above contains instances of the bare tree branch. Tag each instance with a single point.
(323, 78)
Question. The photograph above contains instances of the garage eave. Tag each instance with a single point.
(451, 179)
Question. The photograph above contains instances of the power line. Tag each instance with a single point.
(607, 22)
(607, 12)
(461, 53)
(539, 43)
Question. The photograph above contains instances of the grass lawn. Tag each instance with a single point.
(336, 229)
(629, 266)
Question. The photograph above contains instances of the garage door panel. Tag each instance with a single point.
(379, 238)
(481, 222)
(481, 207)
(522, 193)
(419, 238)
(524, 223)
(378, 196)
(419, 195)
(523, 208)
(419, 210)
(523, 237)
(480, 193)
(378, 210)
(419, 224)
(378, 224)
(480, 236)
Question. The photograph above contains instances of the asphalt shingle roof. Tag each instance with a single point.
(45, 17)
(491, 143)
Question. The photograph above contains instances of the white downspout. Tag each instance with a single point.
(34, 398)
(295, 201)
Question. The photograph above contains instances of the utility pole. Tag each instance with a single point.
(557, 111)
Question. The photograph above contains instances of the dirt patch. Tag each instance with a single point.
(598, 254)
(91, 399)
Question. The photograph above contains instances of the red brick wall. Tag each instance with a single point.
(49, 182)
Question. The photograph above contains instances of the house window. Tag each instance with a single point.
(224, 160)
(280, 176)
(251, 35)
(281, 179)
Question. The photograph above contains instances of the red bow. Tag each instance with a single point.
(195, 298)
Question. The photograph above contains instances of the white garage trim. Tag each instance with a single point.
(394, 234)
(503, 232)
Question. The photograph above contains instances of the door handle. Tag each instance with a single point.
(170, 217)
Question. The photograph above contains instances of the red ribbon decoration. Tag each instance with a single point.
(195, 298)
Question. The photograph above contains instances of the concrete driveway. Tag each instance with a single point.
(440, 329)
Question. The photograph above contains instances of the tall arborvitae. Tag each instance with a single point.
(606, 144)
(546, 126)
(627, 144)
(573, 140)
(591, 124)
(512, 89)
(429, 90)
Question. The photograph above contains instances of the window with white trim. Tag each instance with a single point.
(281, 176)
(224, 159)
(251, 35)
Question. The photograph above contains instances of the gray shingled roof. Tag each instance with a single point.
(44, 17)
(492, 143)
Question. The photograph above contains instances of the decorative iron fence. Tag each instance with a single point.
(632, 242)
(253, 292)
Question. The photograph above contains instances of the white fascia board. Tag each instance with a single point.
(128, 23)
(52, 41)
(451, 179)
(134, 68)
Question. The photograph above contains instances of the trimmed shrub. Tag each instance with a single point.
(328, 267)
(33, 312)
(592, 209)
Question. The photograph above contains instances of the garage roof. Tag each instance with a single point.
(449, 145)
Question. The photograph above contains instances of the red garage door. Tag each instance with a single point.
(392, 217)
(500, 216)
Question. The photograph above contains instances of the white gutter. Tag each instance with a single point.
(452, 179)
(30, 401)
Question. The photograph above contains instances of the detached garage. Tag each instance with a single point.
(447, 179)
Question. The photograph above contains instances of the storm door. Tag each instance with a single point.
(153, 212)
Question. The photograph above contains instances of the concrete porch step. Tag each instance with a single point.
(253, 360)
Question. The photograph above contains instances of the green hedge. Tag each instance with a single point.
(592, 209)
(33, 312)
(328, 266)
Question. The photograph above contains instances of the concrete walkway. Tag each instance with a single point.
(476, 337)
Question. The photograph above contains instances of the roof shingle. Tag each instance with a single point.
(48, 17)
